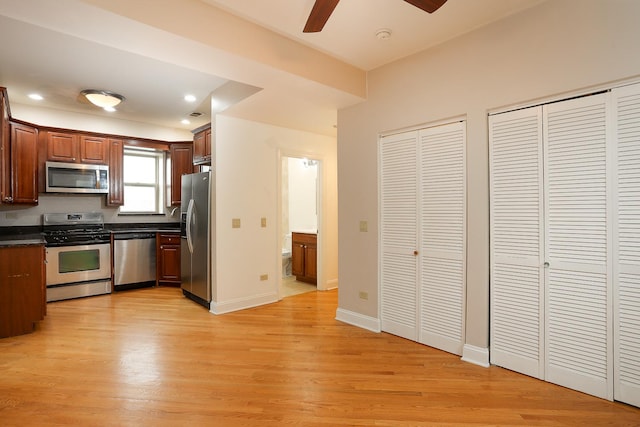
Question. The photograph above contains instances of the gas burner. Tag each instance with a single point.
(75, 229)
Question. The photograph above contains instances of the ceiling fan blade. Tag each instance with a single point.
(429, 6)
(320, 13)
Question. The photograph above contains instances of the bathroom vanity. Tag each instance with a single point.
(304, 256)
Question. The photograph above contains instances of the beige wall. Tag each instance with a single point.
(560, 47)
(248, 158)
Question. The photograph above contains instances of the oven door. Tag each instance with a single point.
(82, 263)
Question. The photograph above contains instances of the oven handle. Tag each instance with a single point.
(189, 218)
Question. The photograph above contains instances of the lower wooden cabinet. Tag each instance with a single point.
(168, 259)
(22, 289)
(304, 256)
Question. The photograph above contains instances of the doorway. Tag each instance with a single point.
(300, 212)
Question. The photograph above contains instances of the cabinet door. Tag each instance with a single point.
(24, 164)
(181, 164)
(170, 263)
(116, 173)
(21, 289)
(5, 165)
(62, 147)
(93, 150)
(207, 143)
(297, 258)
(199, 147)
(311, 261)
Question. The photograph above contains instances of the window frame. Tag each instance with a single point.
(159, 184)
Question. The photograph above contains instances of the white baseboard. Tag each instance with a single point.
(476, 355)
(242, 303)
(331, 284)
(357, 319)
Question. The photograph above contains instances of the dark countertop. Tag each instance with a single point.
(21, 240)
(21, 236)
(32, 235)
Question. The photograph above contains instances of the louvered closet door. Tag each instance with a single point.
(399, 222)
(516, 240)
(627, 246)
(577, 338)
(442, 240)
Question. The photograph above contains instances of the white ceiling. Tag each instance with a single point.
(47, 49)
(350, 32)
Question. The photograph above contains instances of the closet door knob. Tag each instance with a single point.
(546, 264)
(415, 253)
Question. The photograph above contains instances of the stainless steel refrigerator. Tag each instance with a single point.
(195, 209)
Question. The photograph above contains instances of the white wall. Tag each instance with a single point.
(302, 196)
(248, 155)
(559, 47)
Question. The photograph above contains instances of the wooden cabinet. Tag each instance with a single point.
(62, 147)
(94, 150)
(23, 152)
(22, 289)
(168, 258)
(304, 257)
(115, 197)
(77, 148)
(181, 164)
(202, 141)
(5, 133)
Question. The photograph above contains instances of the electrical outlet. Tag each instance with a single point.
(263, 222)
(363, 295)
(235, 223)
(264, 277)
(364, 226)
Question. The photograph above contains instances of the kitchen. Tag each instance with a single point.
(246, 150)
(29, 217)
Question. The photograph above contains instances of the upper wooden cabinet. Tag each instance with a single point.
(181, 163)
(94, 150)
(77, 148)
(202, 145)
(24, 165)
(5, 164)
(115, 197)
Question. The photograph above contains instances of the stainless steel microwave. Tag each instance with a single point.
(76, 178)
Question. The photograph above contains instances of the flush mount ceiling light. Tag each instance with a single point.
(102, 98)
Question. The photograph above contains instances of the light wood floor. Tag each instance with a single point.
(149, 357)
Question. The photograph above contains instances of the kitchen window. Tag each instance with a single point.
(144, 181)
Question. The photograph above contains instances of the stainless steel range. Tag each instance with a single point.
(78, 255)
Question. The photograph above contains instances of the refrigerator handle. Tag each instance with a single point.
(189, 218)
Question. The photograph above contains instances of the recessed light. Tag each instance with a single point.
(190, 98)
(36, 96)
(185, 122)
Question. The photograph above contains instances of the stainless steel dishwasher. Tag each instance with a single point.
(134, 256)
